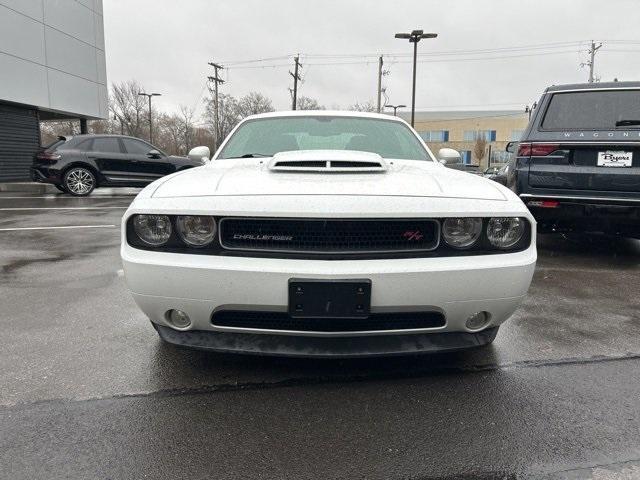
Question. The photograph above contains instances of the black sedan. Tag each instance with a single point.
(78, 164)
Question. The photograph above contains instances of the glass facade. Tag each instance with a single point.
(466, 156)
(473, 135)
(516, 135)
(435, 136)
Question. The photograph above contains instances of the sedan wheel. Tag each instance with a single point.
(79, 181)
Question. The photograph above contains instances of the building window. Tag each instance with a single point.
(435, 136)
(473, 135)
(500, 157)
(516, 135)
(466, 156)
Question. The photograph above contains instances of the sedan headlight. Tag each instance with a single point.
(505, 232)
(461, 232)
(154, 230)
(196, 230)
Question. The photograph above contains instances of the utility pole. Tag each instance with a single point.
(149, 95)
(414, 37)
(380, 63)
(296, 77)
(216, 119)
(592, 56)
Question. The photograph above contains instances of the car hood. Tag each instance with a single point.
(247, 177)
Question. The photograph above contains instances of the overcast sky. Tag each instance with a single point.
(166, 44)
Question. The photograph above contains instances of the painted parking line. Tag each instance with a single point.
(15, 229)
(66, 197)
(13, 209)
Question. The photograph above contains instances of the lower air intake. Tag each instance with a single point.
(282, 321)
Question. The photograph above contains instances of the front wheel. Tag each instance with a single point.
(79, 181)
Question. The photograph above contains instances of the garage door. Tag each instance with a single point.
(19, 141)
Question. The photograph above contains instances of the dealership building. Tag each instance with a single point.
(52, 67)
(461, 129)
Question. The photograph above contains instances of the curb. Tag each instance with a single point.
(28, 187)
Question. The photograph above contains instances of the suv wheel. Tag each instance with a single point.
(79, 181)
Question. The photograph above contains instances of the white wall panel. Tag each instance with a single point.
(102, 69)
(70, 55)
(15, 25)
(32, 8)
(22, 81)
(73, 94)
(54, 55)
(103, 106)
(99, 30)
(71, 17)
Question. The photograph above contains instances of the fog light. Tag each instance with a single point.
(178, 319)
(478, 320)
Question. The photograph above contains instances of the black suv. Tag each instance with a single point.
(77, 165)
(577, 166)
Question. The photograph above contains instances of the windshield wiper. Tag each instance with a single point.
(627, 123)
(254, 155)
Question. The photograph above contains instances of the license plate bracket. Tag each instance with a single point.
(341, 298)
(615, 159)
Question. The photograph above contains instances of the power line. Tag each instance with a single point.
(422, 60)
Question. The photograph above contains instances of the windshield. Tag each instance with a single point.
(593, 110)
(268, 136)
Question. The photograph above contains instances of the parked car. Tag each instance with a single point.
(490, 171)
(577, 166)
(318, 233)
(500, 175)
(78, 164)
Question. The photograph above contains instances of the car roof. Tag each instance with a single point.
(325, 113)
(593, 86)
(94, 135)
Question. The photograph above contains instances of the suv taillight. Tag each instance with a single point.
(49, 157)
(537, 149)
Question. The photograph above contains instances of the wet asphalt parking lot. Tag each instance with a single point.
(88, 391)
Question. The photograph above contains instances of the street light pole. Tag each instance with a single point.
(149, 95)
(395, 108)
(414, 37)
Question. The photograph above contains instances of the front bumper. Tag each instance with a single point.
(333, 347)
(200, 285)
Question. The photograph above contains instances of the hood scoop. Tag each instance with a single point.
(328, 161)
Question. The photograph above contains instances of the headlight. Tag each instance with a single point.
(196, 231)
(461, 232)
(154, 230)
(505, 232)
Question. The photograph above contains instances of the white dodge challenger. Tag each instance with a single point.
(328, 234)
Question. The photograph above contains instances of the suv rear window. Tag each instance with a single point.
(591, 110)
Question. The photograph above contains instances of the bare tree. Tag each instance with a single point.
(130, 108)
(480, 148)
(231, 110)
(367, 106)
(254, 103)
(308, 103)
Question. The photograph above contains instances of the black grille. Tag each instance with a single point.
(329, 236)
(282, 321)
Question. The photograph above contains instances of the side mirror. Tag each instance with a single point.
(449, 156)
(154, 154)
(199, 154)
(511, 147)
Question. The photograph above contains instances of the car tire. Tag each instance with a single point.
(61, 188)
(79, 181)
